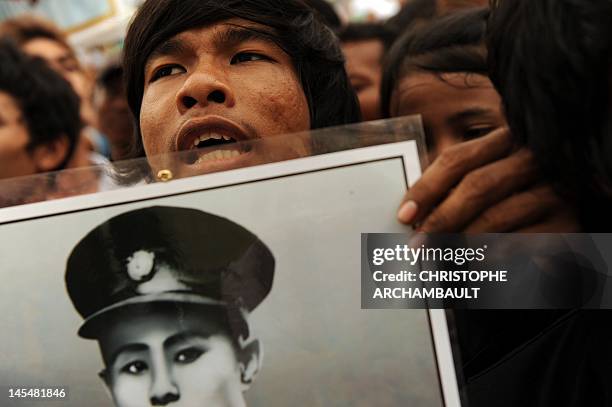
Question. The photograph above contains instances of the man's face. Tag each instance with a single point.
(15, 160)
(215, 86)
(364, 70)
(162, 357)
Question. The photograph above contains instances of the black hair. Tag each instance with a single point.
(48, 104)
(413, 13)
(453, 43)
(111, 79)
(313, 48)
(368, 31)
(551, 61)
(326, 13)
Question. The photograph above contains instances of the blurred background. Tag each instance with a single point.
(96, 28)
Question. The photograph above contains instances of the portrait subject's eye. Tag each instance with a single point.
(188, 355)
(248, 57)
(134, 368)
(166, 71)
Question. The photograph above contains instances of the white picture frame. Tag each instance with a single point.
(362, 190)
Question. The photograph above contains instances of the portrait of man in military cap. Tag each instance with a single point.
(167, 292)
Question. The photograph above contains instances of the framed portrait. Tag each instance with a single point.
(234, 288)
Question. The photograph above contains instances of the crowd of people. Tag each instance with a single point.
(515, 98)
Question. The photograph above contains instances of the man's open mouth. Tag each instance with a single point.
(216, 147)
(211, 140)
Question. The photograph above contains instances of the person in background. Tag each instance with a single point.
(364, 46)
(42, 38)
(501, 351)
(326, 13)
(439, 70)
(551, 61)
(450, 6)
(39, 121)
(114, 117)
(413, 12)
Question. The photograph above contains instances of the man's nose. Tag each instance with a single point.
(163, 389)
(201, 89)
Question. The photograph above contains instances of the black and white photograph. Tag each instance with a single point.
(228, 289)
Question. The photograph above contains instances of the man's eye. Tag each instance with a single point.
(166, 71)
(247, 57)
(188, 355)
(476, 132)
(134, 368)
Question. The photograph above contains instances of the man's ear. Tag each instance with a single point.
(250, 358)
(48, 156)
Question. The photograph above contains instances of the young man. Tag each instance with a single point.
(212, 74)
(166, 292)
(39, 120)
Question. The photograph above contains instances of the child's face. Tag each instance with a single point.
(455, 107)
(161, 357)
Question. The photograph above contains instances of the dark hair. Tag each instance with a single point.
(413, 13)
(368, 31)
(551, 62)
(49, 106)
(326, 13)
(111, 79)
(312, 46)
(453, 43)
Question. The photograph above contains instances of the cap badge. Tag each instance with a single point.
(140, 264)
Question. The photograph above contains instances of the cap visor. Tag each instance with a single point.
(97, 321)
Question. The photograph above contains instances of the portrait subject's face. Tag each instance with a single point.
(163, 358)
(217, 86)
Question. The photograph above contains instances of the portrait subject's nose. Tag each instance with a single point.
(202, 89)
(163, 388)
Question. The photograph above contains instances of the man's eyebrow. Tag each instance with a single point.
(184, 336)
(171, 47)
(469, 114)
(132, 347)
(236, 35)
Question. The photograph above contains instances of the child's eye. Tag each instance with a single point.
(476, 132)
(134, 368)
(247, 57)
(166, 71)
(189, 355)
